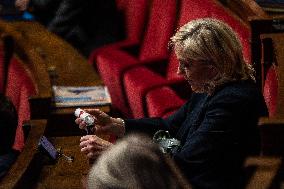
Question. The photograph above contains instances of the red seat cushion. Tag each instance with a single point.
(111, 74)
(161, 101)
(270, 91)
(27, 90)
(14, 81)
(138, 82)
(19, 88)
(159, 30)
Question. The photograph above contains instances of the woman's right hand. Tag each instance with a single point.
(104, 124)
(93, 146)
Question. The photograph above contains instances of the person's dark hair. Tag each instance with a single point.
(8, 124)
(135, 162)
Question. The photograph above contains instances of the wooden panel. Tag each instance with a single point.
(266, 168)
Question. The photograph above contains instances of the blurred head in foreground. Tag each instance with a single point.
(135, 162)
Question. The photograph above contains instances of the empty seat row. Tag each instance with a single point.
(133, 72)
(151, 50)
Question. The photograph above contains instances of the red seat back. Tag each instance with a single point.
(27, 90)
(14, 81)
(120, 4)
(19, 88)
(272, 71)
(270, 91)
(135, 12)
(159, 30)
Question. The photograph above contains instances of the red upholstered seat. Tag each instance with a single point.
(19, 88)
(272, 69)
(139, 81)
(134, 12)
(270, 91)
(14, 81)
(27, 90)
(169, 113)
(158, 103)
(113, 63)
(113, 81)
(120, 4)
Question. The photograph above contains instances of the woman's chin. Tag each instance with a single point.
(197, 89)
(194, 88)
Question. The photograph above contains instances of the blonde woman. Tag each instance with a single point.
(217, 127)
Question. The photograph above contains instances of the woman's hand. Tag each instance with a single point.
(104, 124)
(93, 146)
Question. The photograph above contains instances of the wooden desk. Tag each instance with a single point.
(68, 67)
(51, 61)
(64, 174)
(48, 54)
(40, 172)
(61, 60)
(34, 170)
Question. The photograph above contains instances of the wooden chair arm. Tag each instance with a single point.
(266, 121)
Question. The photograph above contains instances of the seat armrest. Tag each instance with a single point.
(265, 121)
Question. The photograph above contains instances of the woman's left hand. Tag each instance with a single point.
(93, 146)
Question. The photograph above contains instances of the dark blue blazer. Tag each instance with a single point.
(216, 131)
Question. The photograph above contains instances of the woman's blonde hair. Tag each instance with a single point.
(212, 41)
(135, 162)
